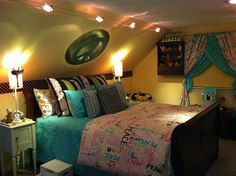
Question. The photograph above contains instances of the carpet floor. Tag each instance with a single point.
(225, 165)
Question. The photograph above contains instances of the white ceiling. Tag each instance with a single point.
(170, 13)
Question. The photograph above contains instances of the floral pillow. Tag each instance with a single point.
(45, 101)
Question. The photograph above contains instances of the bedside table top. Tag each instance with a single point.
(23, 123)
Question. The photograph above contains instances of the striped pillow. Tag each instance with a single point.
(92, 104)
(93, 80)
(58, 86)
(110, 100)
(121, 90)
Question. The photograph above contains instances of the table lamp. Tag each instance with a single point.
(16, 82)
(118, 70)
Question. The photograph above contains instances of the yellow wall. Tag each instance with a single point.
(167, 89)
(163, 89)
(7, 101)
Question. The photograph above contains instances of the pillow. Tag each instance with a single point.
(93, 80)
(120, 88)
(110, 99)
(57, 86)
(45, 101)
(92, 103)
(75, 99)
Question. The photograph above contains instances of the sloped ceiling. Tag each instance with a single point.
(171, 13)
(46, 37)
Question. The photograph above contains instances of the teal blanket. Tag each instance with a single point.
(59, 138)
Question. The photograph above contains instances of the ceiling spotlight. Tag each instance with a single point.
(132, 25)
(157, 29)
(46, 7)
(99, 19)
(232, 1)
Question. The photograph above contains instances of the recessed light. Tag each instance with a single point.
(46, 7)
(99, 19)
(157, 29)
(132, 25)
(232, 1)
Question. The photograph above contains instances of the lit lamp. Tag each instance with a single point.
(16, 82)
(118, 70)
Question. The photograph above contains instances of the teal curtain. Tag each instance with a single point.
(216, 57)
(212, 55)
(194, 50)
(202, 65)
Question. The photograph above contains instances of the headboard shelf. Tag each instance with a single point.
(42, 84)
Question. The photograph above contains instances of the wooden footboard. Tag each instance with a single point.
(194, 143)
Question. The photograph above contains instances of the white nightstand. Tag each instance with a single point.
(17, 138)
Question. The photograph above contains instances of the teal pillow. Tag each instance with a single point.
(75, 99)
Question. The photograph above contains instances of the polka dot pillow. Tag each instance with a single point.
(45, 101)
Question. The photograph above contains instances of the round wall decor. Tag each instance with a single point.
(87, 47)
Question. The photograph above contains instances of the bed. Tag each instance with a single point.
(194, 143)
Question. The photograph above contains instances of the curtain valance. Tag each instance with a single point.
(217, 49)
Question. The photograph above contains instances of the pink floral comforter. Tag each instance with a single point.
(135, 141)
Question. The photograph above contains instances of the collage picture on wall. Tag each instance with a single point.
(171, 58)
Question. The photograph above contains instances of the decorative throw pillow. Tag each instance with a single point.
(75, 99)
(110, 99)
(92, 103)
(120, 88)
(93, 80)
(57, 86)
(44, 101)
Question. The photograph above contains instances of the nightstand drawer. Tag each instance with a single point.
(23, 137)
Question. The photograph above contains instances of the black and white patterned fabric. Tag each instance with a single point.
(93, 80)
(92, 104)
(121, 90)
(110, 100)
(39, 84)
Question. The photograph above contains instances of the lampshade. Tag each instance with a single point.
(118, 69)
(15, 77)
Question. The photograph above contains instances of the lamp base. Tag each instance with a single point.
(16, 116)
(16, 121)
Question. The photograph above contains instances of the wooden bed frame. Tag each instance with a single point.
(194, 144)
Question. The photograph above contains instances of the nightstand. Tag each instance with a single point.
(15, 139)
(226, 121)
